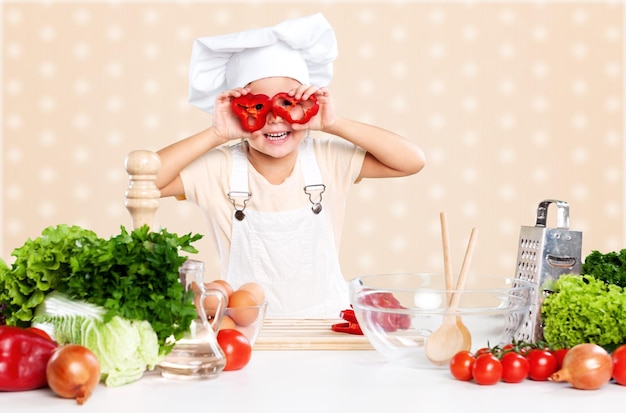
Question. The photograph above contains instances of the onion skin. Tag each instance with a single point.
(73, 372)
(586, 366)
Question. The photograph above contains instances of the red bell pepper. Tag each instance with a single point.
(294, 110)
(389, 322)
(252, 110)
(24, 356)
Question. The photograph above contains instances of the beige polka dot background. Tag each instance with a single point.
(512, 102)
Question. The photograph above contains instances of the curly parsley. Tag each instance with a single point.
(609, 267)
(132, 275)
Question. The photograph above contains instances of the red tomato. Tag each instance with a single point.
(461, 365)
(619, 365)
(487, 369)
(507, 348)
(560, 355)
(542, 364)
(236, 347)
(515, 367)
(39, 332)
(483, 350)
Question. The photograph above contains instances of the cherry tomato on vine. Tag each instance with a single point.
(619, 365)
(515, 367)
(236, 347)
(508, 347)
(487, 369)
(461, 365)
(483, 350)
(542, 364)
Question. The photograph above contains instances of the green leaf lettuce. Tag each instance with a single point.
(583, 309)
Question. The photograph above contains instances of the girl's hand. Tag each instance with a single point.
(326, 116)
(225, 123)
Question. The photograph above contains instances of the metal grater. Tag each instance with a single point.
(544, 255)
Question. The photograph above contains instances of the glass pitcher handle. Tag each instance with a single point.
(214, 323)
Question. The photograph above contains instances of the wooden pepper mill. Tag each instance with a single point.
(142, 195)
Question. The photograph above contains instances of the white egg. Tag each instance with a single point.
(426, 299)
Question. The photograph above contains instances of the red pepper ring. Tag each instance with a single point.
(294, 110)
(348, 315)
(252, 110)
(351, 327)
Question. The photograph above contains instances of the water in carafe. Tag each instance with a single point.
(197, 355)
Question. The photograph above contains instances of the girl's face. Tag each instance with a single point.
(276, 139)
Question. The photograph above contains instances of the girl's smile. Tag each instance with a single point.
(277, 137)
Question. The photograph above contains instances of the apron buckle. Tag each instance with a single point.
(309, 190)
(244, 197)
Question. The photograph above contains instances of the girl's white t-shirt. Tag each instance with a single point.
(206, 182)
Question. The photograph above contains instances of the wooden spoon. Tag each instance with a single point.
(447, 265)
(447, 258)
(449, 338)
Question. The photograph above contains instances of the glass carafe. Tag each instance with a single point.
(197, 355)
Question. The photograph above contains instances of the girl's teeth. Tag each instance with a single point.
(276, 136)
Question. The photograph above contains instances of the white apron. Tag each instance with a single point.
(291, 253)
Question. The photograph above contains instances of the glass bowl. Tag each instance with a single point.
(246, 319)
(398, 312)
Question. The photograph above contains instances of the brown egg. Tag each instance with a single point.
(211, 302)
(256, 289)
(226, 285)
(242, 307)
(227, 323)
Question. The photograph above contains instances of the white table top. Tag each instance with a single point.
(300, 381)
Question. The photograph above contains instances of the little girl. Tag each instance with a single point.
(273, 193)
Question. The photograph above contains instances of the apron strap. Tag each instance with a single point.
(313, 185)
(239, 192)
(310, 168)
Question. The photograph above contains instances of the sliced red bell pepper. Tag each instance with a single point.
(389, 322)
(252, 110)
(351, 326)
(294, 110)
(24, 356)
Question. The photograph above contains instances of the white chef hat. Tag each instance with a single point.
(303, 49)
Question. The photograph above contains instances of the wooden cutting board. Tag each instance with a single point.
(307, 334)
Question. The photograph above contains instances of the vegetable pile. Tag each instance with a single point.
(585, 366)
(120, 297)
(584, 314)
(588, 308)
(30, 359)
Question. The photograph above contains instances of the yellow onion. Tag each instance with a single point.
(586, 366)
(73, 371)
